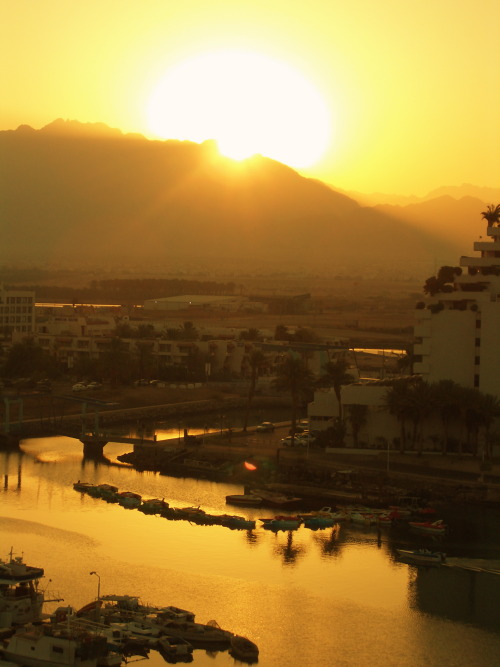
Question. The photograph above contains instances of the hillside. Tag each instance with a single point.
(86, 195)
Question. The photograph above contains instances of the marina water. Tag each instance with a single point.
(307, 598)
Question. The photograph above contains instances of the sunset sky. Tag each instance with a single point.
(367, 95)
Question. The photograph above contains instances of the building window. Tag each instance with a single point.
(478, 324)
(476, 361)
(476, 380)
(478, 342)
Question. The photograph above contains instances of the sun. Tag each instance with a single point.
(248, 103)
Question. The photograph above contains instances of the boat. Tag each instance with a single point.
(432, 527)
(232, 521)
(128, 499)
(58, 644)
(422, 556)
(363, 519)
(281, 523)
(153, 506)
(119, 608)
(244, 649)
(175, 649)
(21, 601)
(276, 499)
(248, 499)
(198, 634)
(315, 522)
(107, 492)
(84, 487)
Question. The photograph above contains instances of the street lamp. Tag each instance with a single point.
(98, 585)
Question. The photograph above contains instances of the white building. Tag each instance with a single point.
(17, 311)
(457, 332)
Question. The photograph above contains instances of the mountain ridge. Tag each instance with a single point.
(87, 192)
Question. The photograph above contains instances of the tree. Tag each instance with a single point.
(25, 359)
(295, 378)
(398, 403)
(487, 410)
(492, 214)
(448, 397)
(256, 360)
(188, 331)
(335, 375)
(357, 415)
(115, 361)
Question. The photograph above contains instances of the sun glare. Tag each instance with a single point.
(249, 103)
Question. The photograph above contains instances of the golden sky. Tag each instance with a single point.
(379, 95)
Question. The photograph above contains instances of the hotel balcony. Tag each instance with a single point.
(479, 261)
(423, 348)
(487, 246)
(421, 368)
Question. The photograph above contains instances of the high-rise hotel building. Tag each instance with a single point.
(457, 331)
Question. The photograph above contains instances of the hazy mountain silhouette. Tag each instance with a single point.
(89, 194)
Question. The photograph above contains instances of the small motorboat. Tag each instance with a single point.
(282, 523)
(248, 499)
(432, 527)
(128, 499)
(244, 649)
(421, 556)
(175, 649)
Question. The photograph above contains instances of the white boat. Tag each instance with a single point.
(175, 649)
(21, 601)
(422, 556)
(51, 645)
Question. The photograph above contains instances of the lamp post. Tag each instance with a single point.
(98, 585)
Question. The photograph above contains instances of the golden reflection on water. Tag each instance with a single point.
(337, 590)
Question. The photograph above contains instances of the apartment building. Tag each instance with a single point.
(17, 311)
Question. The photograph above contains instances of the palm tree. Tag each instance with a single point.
(256, 360)
(335, 375)
(421, 404)
(488, 409)
(357, 415)
(188, 331)
(492, 214)
(447, 399)
(398, 402)
(294, 377)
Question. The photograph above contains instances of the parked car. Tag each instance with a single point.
(94, 385)
(79, 386)
(296, 442)
(265, 427)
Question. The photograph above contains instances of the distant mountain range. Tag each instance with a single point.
(88, 195)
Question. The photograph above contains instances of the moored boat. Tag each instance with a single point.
(244, 649)
(432, 527)
(153, 506)
(281, 523)
(276, 499)
(175, 649)
(54, 644)
(421, 556)
(129, 499)
(247, 499)
(21, 600)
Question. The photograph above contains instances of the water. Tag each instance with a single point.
(307, 598)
